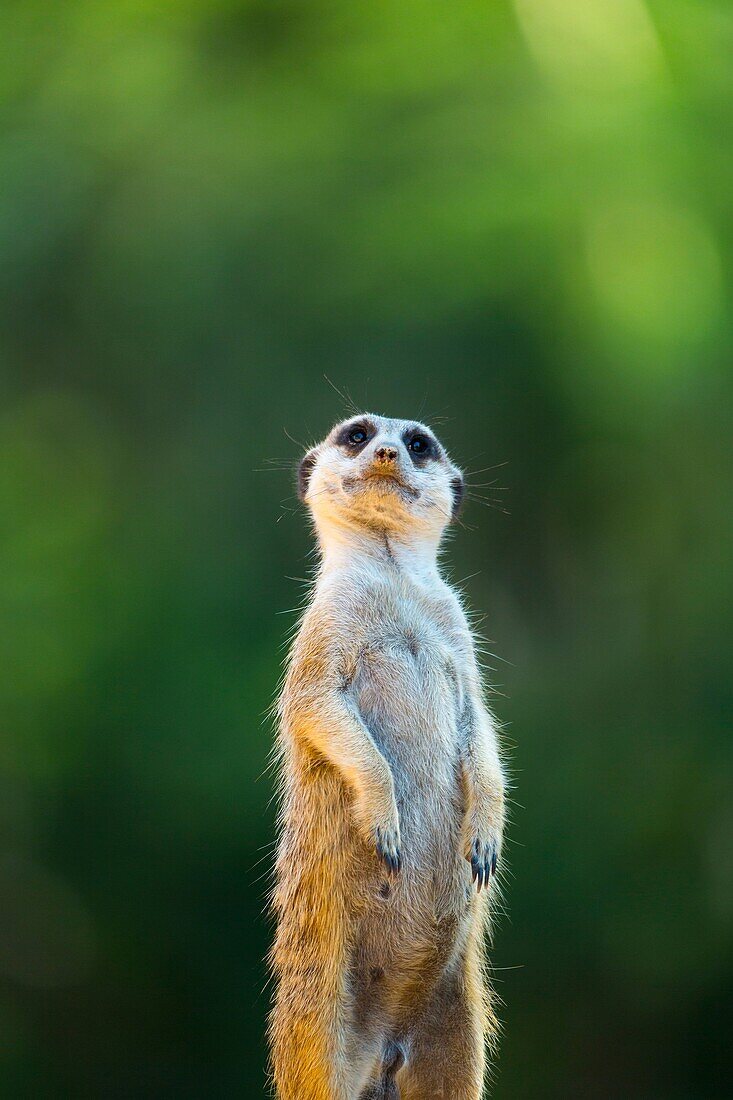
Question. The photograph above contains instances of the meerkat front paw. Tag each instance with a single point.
(388, 848)
(482, 833)
(483, 856)
(379, 823)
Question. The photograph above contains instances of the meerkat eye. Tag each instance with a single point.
(419, 445)
(353, 437)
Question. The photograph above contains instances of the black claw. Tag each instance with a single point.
(477, 867)
(483, 859)
(391, 859)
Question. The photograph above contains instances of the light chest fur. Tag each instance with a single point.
(402, 669)
(403, 643)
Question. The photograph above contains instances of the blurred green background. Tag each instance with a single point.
(517, 216)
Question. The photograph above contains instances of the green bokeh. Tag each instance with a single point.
(515, 219)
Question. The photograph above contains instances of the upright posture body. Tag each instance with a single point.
(392, 803)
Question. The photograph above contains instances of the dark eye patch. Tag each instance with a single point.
(420, 446)
(354, 437)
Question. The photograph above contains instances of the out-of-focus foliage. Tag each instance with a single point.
(518, 216)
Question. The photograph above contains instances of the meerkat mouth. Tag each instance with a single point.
(388, 483)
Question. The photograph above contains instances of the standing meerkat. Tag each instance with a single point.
(392, 791)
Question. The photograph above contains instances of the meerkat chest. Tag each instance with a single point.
(407, 682)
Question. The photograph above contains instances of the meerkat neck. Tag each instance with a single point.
(413, 555)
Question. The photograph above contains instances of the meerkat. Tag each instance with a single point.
(392, 807)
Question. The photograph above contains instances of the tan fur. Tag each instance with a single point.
(389, 758)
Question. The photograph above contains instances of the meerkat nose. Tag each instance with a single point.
(386, 454)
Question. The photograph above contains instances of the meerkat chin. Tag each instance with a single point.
(392, 799)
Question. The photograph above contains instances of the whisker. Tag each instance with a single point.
(495, 505)
(486, 469)
(345, 396)
(486, 485)
(297, 442)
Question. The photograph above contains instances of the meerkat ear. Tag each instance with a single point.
(305, 469)
(458, 489)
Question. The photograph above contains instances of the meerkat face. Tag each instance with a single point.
(390, 475)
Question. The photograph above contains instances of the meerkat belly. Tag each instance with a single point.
(408, 694)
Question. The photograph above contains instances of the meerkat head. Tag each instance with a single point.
(387, 476)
